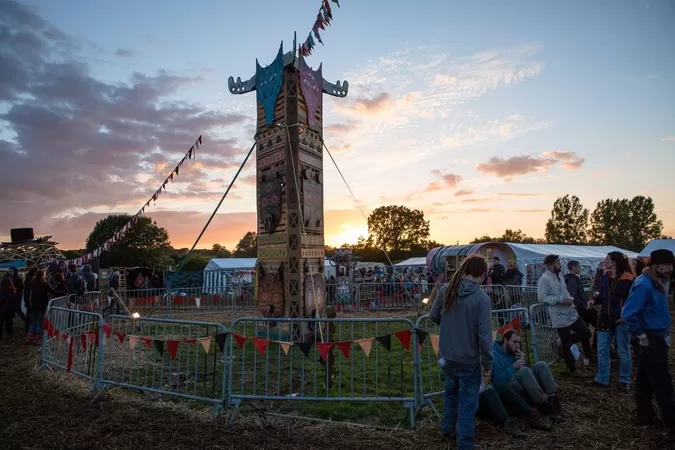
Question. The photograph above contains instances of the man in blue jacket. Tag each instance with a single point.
(647, 316)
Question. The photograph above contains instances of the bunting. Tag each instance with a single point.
(119, 234)
(323, 18)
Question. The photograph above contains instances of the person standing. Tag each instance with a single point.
(551, 289)
(614, 286)
(647, 317)
(463, 311)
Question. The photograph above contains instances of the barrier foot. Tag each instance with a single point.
(233, 412)
(410, 407)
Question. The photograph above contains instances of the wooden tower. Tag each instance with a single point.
(289, 167)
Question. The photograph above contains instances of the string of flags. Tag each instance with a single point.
(323, 18)
(191, 153)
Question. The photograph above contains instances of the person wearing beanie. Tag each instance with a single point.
(552, 290)
(647, 317)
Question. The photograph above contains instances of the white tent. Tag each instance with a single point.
(658, 244)
(218, 270)
(413, 262)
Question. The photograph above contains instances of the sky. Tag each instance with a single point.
(478, 113)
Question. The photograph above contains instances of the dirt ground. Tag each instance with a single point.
(48, 410)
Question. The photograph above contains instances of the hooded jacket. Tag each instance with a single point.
(612, 296)
(502, 366)
(466, 329)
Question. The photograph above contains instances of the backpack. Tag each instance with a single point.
(79, 284)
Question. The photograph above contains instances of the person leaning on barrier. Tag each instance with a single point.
(509, 368)
(647, 317)
(551, 289)
(464, 312)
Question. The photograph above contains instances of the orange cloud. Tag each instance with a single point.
(448, 180)
(525, 164)
(372, 106)
(533, 211)
(350, 125)
(463, 192)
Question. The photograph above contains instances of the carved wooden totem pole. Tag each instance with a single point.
(289, 165)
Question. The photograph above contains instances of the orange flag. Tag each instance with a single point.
(206, 343)
(133, 340)
(366, 345)
(285, 346)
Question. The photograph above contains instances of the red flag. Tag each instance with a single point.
(148, 342)
(338, 308)
(107, 329)
(504, 329)
(172, 347)
(69, 364)
(403, 337)
(516, 324)
(83, 341)
(240, 339)
(324, 348)
(121, 337)
(260, 345)
(91, 336)
(345, 348)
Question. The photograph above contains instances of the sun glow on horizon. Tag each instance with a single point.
(348, 234)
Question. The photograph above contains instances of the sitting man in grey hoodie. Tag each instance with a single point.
(552, 290)
(464, 311)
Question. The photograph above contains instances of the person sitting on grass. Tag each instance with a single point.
(537, 384)
(501, 404)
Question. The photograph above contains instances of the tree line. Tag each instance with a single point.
(400, 231)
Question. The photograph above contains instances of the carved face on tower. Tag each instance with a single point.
(269, 202)
(311, 83)
(268, 84)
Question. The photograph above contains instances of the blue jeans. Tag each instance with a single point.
(605, 339)
(462, 385)
(36, 318)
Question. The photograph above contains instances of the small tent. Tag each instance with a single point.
(220, 273)
(658, 244)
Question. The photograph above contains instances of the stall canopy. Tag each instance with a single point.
(412, 262)
(535, 253)
(231, 264)
(19, 264)
(658, 244)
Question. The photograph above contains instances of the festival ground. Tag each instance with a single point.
(68, 418)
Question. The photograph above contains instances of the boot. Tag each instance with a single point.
(29, 337)
(511, 429)
(538, 422)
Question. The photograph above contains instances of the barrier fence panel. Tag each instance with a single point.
(431, 377)
(71, 342)
(544, 336)
(497, 294)
(347, 360)
(373, 295)
(176, 358)
(194, 300)
(521, 296)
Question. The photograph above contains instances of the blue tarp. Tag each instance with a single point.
(19, 264)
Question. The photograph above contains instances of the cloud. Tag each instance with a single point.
(532, 210)
(349, 125)
(74, 143)
(492, 131)
(463, 192)
(668, 138)
(375, 105)
(126, 53)
(524, 164)
(447, 180)
(479, 200)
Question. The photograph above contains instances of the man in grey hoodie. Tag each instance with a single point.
(463, 311)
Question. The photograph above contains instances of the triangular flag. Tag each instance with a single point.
(198, 301)
(504, 329)
(83, 341)
(385, 341)
(206, 343)
(172, 347)
(421, 335)
(516, 324)
(91, 336)
(133, 340)
(240, 339)
(148, 342)
(159, 345)
(107, 329)
(366, 345)
(304, 347)
(285, 346)
(345, 348)
(261, 345)
(120, 336)
(324, 348)
(338, 308)
(220, 340)
(434, 343)
(403, 337)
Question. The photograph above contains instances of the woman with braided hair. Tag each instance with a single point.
(463, 311)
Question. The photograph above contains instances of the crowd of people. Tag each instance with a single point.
(492, 379)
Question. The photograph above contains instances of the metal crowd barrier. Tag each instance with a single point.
(193, 300)
(377, 295)
(176, 358)
(544, 336)
(431, 378)
(312, 360)
(71, 342)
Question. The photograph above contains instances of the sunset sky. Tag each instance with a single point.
(478, 113)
